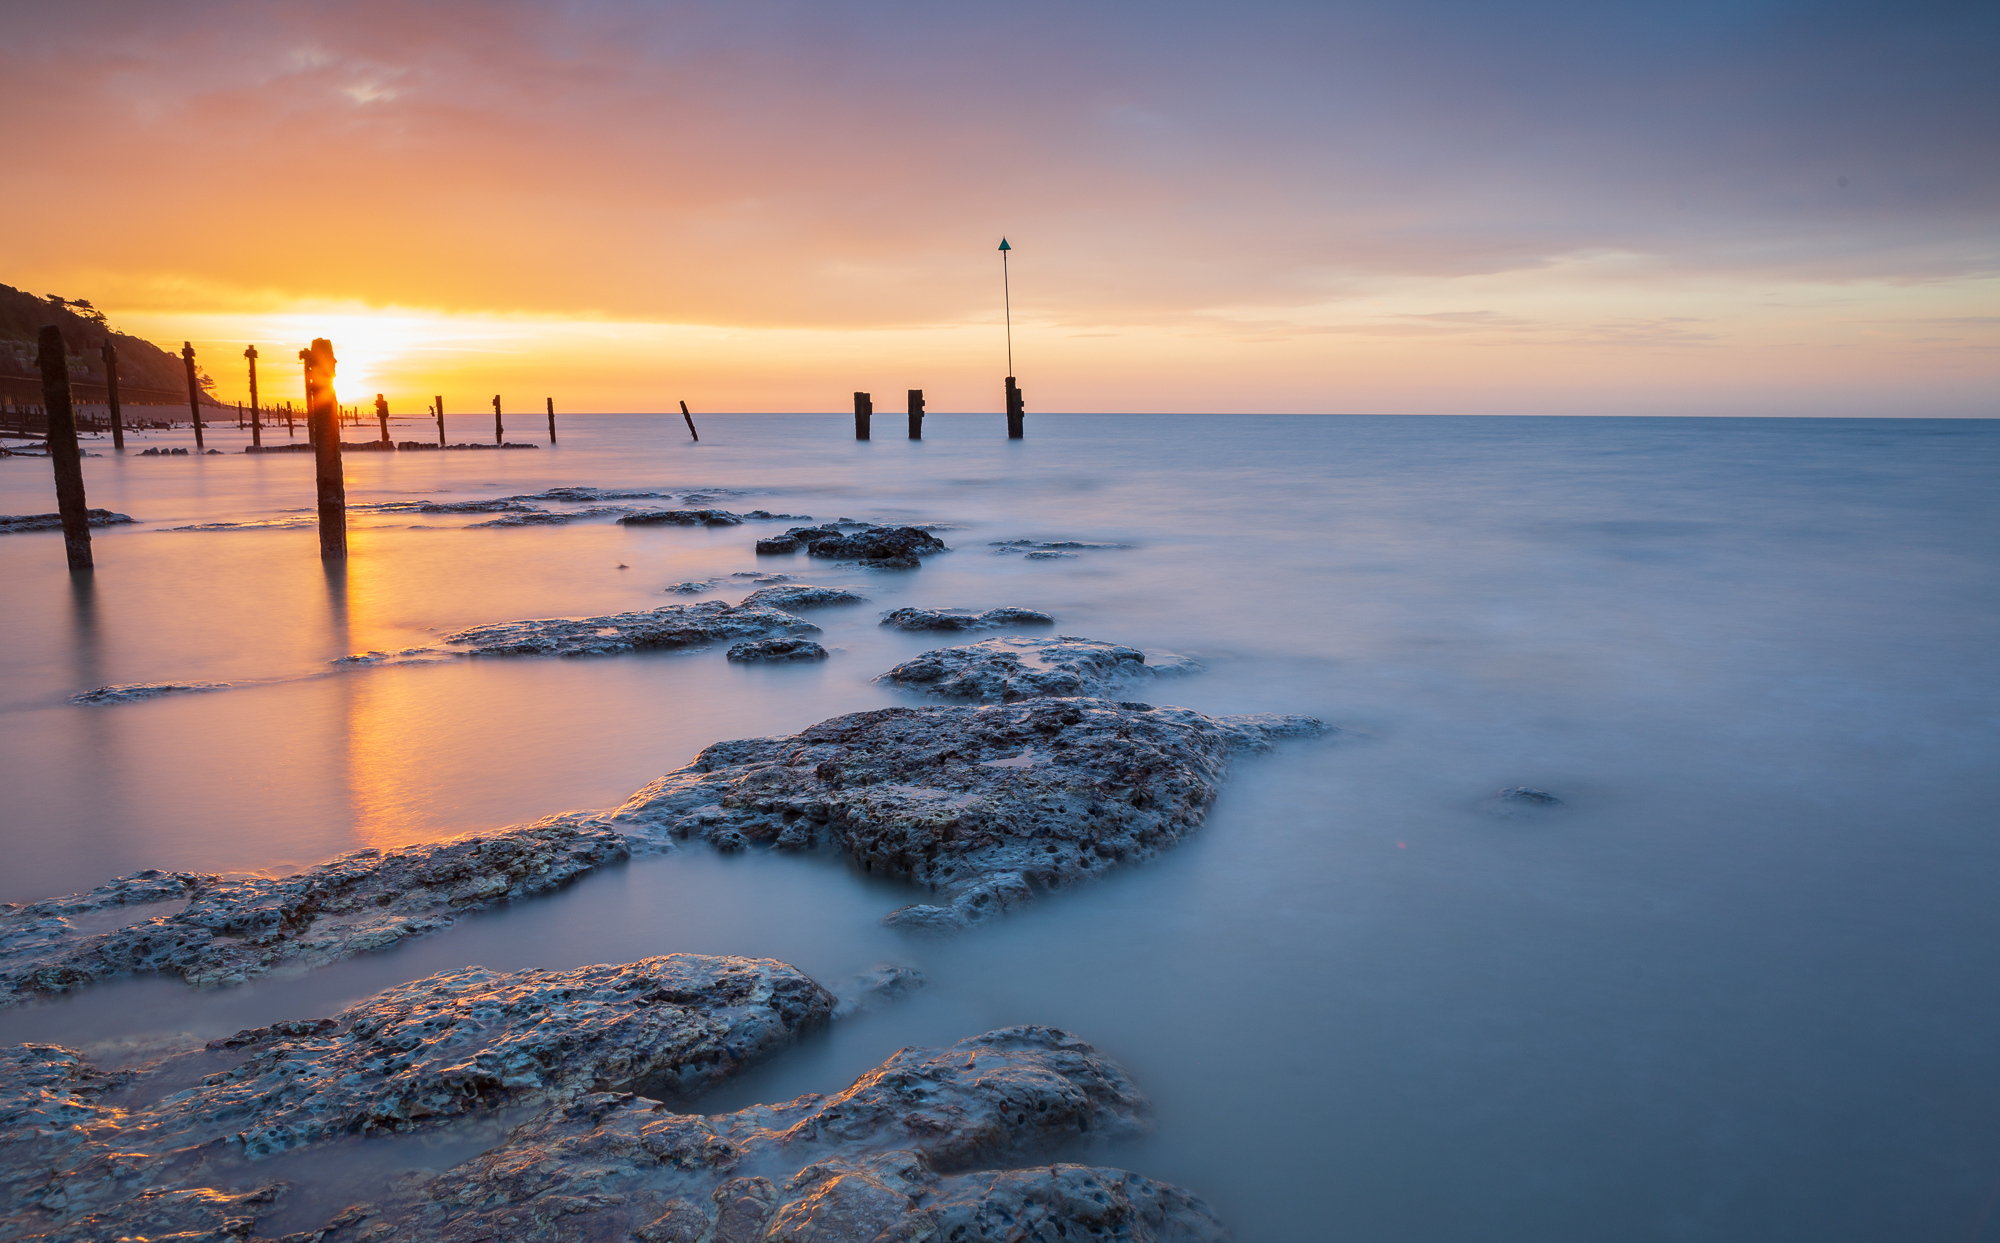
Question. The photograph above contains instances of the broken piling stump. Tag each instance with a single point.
(109, 353)
(256, 420)
(440, 418)
(916, 414)
(323, 422)
(64, 454)
(1015, 409)
(194, 391)
(552, 419)
(499, 433)
(864, 408)
(382, 416)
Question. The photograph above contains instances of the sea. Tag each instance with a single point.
(1742, 983)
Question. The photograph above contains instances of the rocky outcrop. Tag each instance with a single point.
(133, 692)
(669, 626)
(12, 523)
(776, 650)
(1041, 550)
(1004, 670)
(893, 548)
(964, 619)
(1516, 802)
(799, 596)
(932, 1144)
(208, 930)
(983, 804)
(550, 518)
(705, 518)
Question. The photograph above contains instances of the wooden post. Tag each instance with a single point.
(194, 391)
(916, 414)
(64, 454)
(291, 428)
(690, 423)
(864, 407)
(440, 416)
(499, 433)
(1015, 410)
(382, 413)
(256, 421)
(110, 355)
(552, 420)
(323, 421)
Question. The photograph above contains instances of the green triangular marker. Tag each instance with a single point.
(1004, 245)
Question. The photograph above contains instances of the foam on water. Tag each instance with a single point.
(1738, 986)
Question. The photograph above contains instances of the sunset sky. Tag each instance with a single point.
(1423, 206)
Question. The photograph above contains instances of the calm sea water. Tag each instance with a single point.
(1747, 986)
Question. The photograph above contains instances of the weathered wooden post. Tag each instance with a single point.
(291, 428)
(109, 353)
(499, 433)
(312, 427)
(1015, 409)
(256, 420)
(552, 420)
(64, 453)
(690, 423)
(864, 408)
(916, 414)
(322, 421)
(194, 391)
(382, 414)
(440, 417)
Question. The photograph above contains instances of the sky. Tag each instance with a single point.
(1385, 206)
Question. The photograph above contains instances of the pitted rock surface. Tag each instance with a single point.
(896, 548)
(12, 523)
(667, 1027)
(208, 930)
(683, 518)
(669, 626)
(551, 518)
(965, 619)
(776, 651)
(1004, 670)
(134, 692)
(985, 804)
(800, 596)
(1035, 548)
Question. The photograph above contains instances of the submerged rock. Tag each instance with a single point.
(133, 692)
(932, 1144)
(799, 596)
(984, 804)
(682, 518)
(669, 626)
(13, 523)
(1004, 670)
(899, 548)
(691, 589)
(776, 650)
(547, 518)
(584, 494)
(1516, 801)
(1039, 550)
(964, 619)
(208, 930)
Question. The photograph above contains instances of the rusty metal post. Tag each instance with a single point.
(499, 433)
(64, 453)
(109, 352)
(194, 391)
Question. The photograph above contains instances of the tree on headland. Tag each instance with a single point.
(142, 365)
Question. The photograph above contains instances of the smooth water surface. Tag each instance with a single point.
(1741, 987)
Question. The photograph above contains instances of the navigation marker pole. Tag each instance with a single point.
(1014, 406)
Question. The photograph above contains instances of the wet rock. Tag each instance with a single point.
(879, 986)
(208, 930)
(504, 505)
(692, 589)
(12, 523)
(984, 804)
(546, 518)
(878, 547)
(1049, 555)
(1007, 669)
(581, 495)
(799, 596)
(684, 518)
(133, 692)
(669, 626)
(964, 619)
(1046, 549)
(776, 650)
(1519, 801)
(908, 1152)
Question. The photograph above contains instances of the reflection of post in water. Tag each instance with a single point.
(83, 629)
(336, 606)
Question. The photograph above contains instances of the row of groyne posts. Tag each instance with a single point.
(322, 431)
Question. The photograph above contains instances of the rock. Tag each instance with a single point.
(964, 619)
(1519, 801)
(1038, 550)
(12, 523)
(1004, 670)
(984, 804)
(879, 986)
(545, 518)
(213, 931)
(584, 495)
(133, 692)
(682, 518)
(691, 589)
(669, 626)
(776, 650)
(1048, 555)
(877, 547)
(801, 597)
(503, 505)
